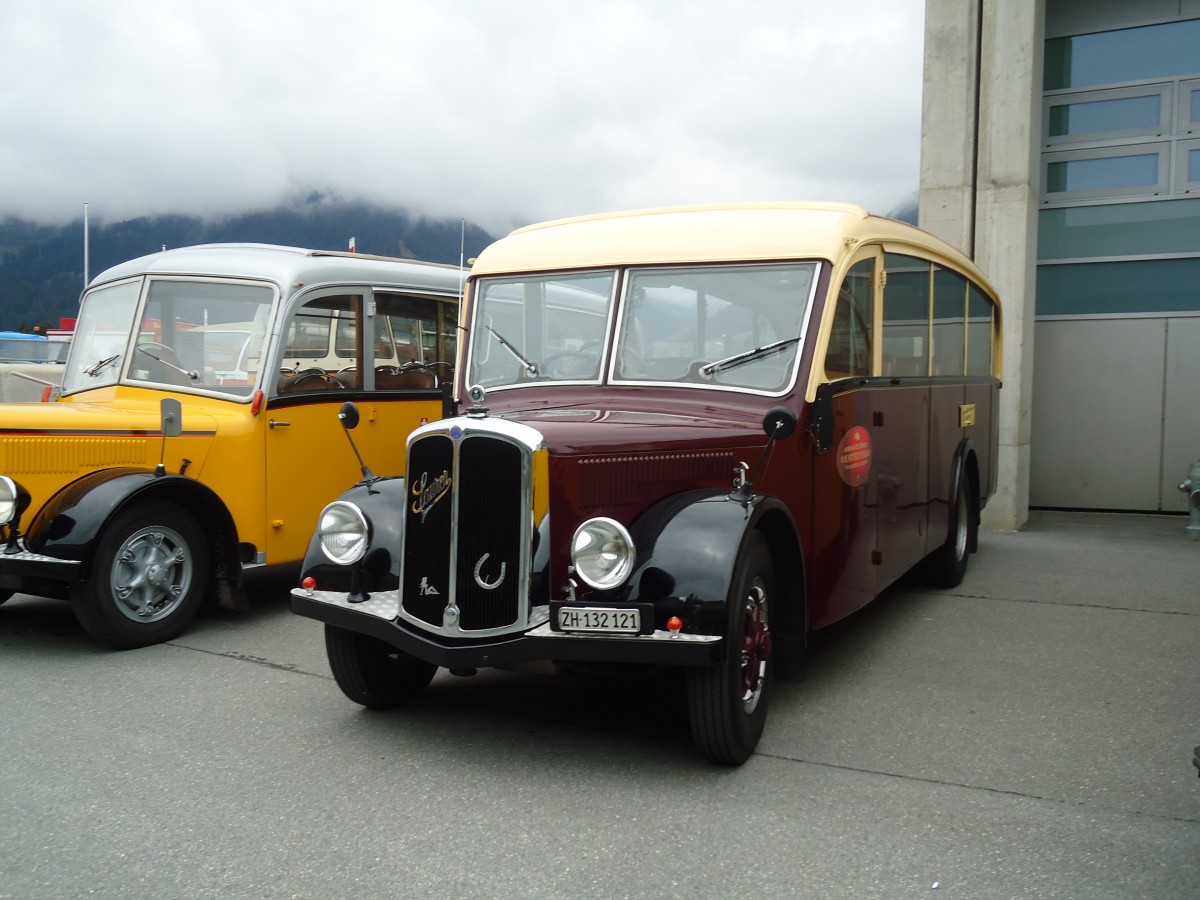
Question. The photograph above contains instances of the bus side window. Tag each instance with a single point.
(849, 350)
(906, 315)
(949, 322)
(980, 322)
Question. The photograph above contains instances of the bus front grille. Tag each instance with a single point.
(466, 534)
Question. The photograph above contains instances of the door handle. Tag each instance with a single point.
(273, 424)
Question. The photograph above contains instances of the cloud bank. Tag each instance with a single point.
(498, 111)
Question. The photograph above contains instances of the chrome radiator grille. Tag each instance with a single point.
(467, 533)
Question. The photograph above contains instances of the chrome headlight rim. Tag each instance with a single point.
(602, 553)
(14, 500)
(344, 532)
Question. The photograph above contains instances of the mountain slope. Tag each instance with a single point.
(41, 267)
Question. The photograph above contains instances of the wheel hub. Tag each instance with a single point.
(756, 647)
(151, 574)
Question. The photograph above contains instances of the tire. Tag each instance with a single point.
(947, 565)
(727, 703)
(148, 577)
(373, 673)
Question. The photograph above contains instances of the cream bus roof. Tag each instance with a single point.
(723, 232)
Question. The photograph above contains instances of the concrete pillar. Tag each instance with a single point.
(981, 123)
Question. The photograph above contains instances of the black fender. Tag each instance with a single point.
(689, 546)
(69, 523)
(965, 467)
(382, 501)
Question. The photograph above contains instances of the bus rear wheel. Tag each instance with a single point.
(727, 703)
(947, 565)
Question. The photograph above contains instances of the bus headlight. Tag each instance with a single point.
(344, 532)
(14, 500)
(602, 552)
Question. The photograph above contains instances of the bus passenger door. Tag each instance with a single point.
(339, 347)
(843, 571)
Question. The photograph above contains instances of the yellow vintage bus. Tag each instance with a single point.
(195, 431)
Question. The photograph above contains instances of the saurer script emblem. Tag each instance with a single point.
(428, 493)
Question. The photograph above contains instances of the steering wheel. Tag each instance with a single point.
(587, 363)
(170, 368)
(310, 378)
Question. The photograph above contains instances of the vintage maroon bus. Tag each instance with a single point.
(687, 437)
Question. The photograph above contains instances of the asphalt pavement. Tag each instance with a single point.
(1028, 734)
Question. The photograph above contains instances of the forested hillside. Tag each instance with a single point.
(41, 267)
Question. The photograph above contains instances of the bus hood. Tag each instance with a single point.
(91, 436)
(634, 427)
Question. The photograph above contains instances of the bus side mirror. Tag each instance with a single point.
(171, 417)
(779, 423)
(820, 426)
(348, 415)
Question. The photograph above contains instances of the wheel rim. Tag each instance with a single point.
(961, 527)
(756, 646)
(151, 574)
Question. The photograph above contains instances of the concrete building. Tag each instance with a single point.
(1060, 148)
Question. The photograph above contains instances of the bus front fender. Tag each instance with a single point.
(69, 524)
(694, 554)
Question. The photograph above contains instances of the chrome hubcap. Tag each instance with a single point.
(756, 646)
(151, 574)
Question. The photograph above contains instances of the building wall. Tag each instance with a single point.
(979, 188)
(1072, 174)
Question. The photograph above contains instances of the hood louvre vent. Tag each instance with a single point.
(614, 481)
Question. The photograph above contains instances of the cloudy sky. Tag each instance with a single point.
(498, 111)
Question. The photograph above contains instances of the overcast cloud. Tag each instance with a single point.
(498, 111)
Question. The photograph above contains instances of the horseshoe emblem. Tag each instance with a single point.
(479, 580)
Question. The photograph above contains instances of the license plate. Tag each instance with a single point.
(608, 621)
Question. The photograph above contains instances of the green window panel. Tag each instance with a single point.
(1119, 288)
(1119, 229)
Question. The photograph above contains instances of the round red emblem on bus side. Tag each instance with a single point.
(854, 456)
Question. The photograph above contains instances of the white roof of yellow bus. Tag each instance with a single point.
(732, 232)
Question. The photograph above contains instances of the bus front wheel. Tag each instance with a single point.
(373, 673)
(148, 577)
(727, 703)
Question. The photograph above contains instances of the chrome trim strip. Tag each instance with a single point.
(544, 631)
(28, 556)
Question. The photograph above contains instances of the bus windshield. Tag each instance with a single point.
(203, 335)
(727, 326)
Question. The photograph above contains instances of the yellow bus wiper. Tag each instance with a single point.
(101, 364)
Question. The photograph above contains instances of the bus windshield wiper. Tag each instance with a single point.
(746, 356)
(186, 373)
(530, 368)
(101, 364)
